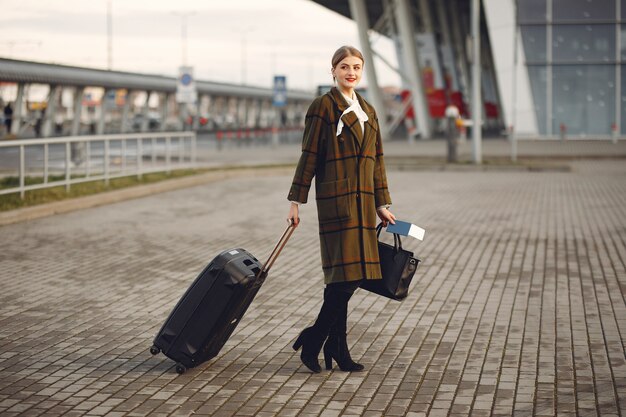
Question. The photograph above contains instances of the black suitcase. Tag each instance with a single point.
(209, 311)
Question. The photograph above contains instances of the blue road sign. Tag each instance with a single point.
(280, 91)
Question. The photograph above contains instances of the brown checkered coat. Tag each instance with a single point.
(350, 183)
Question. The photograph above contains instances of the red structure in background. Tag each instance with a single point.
(437, 103)
(491, 110)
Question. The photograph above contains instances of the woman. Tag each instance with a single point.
(342, 148)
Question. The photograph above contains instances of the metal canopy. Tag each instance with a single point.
(374, 8)
(53, 74)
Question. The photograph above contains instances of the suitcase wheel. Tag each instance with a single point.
(180, 368)
(155, 350)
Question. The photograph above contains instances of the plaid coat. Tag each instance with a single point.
(350, 184)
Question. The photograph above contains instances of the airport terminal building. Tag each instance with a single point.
(550, 68)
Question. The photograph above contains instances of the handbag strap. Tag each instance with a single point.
(397, 242)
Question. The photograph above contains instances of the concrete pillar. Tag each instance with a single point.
(476, 85)
(145, 120)
(18, 110)
(196, 119)
(237, 112)
(510, 72)
(207, 110)
(103, 112)
(404, 17)
(243, 113)
(268, 112)
(51, 109)
(490, 75)
(359, 12)
(459, 51)
(257, 113)
(164, 103)
(436, 64)
(425, 16)
(442, 18)
(232, 111)
(78, 107)
(124, 127)
(216, 108)
(182, 115)
(210, 111)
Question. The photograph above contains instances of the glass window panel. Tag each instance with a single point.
(534, 40)
(623, 9)
(583, 10)
(538, 86)
(583, 43)
(583, 98)
(532, 11)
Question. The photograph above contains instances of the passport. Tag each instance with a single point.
(403, 228)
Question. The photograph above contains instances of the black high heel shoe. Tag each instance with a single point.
(311, 344)
(336, 347)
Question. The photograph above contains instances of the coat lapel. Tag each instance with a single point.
(369, 133)
(350, 120)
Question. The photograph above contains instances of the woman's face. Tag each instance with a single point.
(348, 73)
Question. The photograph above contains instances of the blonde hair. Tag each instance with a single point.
(343, 52)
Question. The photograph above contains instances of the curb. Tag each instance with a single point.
(409, 163)
(109, 197)
(477, 168)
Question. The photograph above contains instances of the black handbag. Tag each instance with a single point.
(397, 266)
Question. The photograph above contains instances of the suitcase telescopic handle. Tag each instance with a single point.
(278, 248)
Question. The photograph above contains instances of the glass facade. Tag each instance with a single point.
(582, 10)
(533, 11)
(578, 43)
(584, 99)
(573, 51)
(534, 38)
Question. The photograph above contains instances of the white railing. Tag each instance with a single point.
(81, 159)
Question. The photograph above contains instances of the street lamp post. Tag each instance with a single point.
(109, 36)
(514, 92)
(184, 16)
(476, 84)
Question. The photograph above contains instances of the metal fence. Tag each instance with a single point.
(45, 163)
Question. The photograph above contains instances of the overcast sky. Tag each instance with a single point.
(295, 38)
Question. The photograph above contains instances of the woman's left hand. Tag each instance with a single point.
(386, 216)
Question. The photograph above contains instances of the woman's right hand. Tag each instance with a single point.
(293, 214)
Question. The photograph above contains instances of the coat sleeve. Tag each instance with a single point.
(313, 143)
(381, 191)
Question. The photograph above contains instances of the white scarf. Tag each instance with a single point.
(353, 105)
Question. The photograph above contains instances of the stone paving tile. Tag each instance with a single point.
(517, 310)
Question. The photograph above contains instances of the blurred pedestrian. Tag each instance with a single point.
(39, 121)
(8, 117)
(342, 148)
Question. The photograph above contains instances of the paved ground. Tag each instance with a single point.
(518, 308)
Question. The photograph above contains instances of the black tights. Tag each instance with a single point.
(333, 315)
(348, 287)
